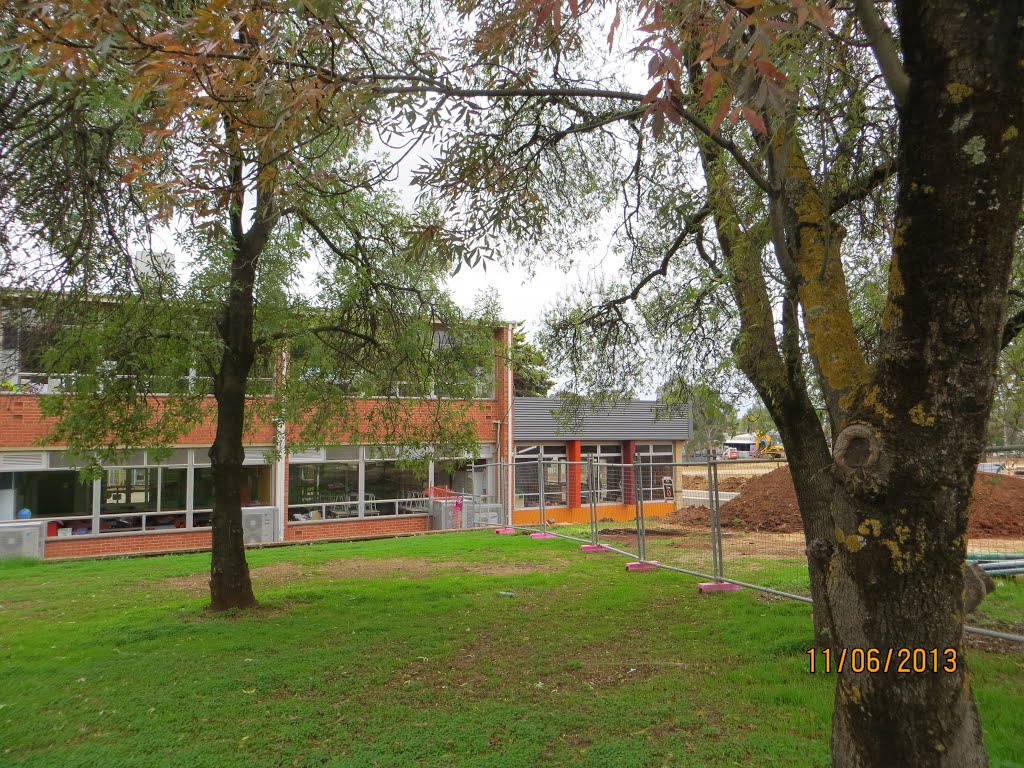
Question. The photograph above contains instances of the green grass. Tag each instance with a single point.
(405, 653)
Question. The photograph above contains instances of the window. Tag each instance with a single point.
(143, 498)
(57, 496)
(394, 490)
(140, 495)
(529, 459)
(323, 490)
(656, 464)
(255, 487)
(608, 473)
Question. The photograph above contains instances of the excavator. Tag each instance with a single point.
(768, 448)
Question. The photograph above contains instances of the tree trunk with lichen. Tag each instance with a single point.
(885, 511)
(908, 444)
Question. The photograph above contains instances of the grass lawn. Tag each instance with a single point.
(448, 650)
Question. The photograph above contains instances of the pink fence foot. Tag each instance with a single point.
(543, 536)
(505, 530)
(717, 586)
(593, 548)
(649, 565)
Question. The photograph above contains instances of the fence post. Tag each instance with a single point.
(591, 479)
(716, 515)
(712, 540)
(506, 510)
(638, 491)
(540, 490)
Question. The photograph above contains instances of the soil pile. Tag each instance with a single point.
(726, 483)
(768, 503)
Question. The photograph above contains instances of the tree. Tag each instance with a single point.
(223, 120)
(779, 155)
(530, 377)
(756, 419)
(712, 414)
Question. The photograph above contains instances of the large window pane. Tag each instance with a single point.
(390, 488)
(316, 483)
(129, 490)
(322, 491)
(173, 489)
(256, 487)
(54, 495)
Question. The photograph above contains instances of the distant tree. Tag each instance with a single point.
(530, 377)
(756, 419)
(713, 414)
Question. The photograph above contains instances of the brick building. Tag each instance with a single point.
(145, 505)
(339, 491)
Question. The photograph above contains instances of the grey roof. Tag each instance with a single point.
(632, 420)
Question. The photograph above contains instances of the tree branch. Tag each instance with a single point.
(691, 225)
(1014, 325)
(884, 46)
(316, 331)
(862, 187)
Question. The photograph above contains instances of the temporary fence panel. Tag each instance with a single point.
(995, 522)
(761, 533)
(677, 516)
(612, 494)
(731, 521)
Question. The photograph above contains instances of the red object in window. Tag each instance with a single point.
(51, 527)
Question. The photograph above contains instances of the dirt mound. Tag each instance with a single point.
(696, 515)
(768, 503)
(726, 483)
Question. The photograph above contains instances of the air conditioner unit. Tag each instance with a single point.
(258, 525)
(486, 516)
(22, 540)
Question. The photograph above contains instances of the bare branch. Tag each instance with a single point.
(884, 46)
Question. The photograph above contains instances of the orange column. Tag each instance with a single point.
(574, 476)
(628, 481)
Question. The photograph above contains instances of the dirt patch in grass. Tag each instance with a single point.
(263, 577)
(279, 574)
(993, 644)
(422, 568)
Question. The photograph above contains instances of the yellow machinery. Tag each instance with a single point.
(766, 446)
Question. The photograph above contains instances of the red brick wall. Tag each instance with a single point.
(75, 546)
(22, 426)
(338, 529)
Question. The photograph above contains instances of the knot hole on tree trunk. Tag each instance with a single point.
(858, 459)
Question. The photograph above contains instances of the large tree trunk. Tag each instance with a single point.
(905, 458)
(230, 585)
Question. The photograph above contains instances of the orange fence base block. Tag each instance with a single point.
(543, 536)
(649, 565)
(717, 586)
(593, 548)
(505, 530)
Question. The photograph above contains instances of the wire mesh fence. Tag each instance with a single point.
(732, 520)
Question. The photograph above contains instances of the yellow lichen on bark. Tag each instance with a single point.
(872, 402)
(822, 291)
(958, 92)
(870, 527)
(920, 417)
